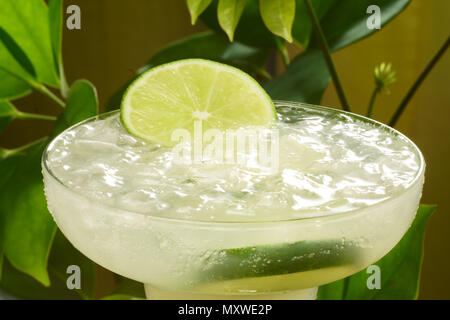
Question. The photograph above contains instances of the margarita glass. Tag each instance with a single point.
(278, 258)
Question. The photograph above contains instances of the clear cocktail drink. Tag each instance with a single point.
(343, 193)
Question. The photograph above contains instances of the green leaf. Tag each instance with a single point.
(206, 45)
(307, 76)
(229, 12)
(12, 87)
(29, 227)
(305, 79)
(278, 16)
(196, 7)
(346, 21)
(27, 22)
(302, 28)
(55, 22)
(283, 51)
(16, 52)
(7, 114)
(55, 25)
(251, 29)
(400, 269)
(7, 168)
(63, 254)
(129, 288)
(209, 45)
(13, 61)
(82, 103)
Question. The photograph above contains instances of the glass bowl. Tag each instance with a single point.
(188, 259)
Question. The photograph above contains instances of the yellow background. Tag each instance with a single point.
(118, 36)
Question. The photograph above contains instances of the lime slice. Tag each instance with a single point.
(279, 259)
(178, 94)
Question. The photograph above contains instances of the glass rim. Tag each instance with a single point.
(277, 103)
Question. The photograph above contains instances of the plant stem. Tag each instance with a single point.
(285, 57)
(372, 100)
(43, 89)
(272, 64)
(64, 85)
(418, 82)
(25, 115)
(261, 72)
(326, 52)
(281, 46)
(9, 152)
